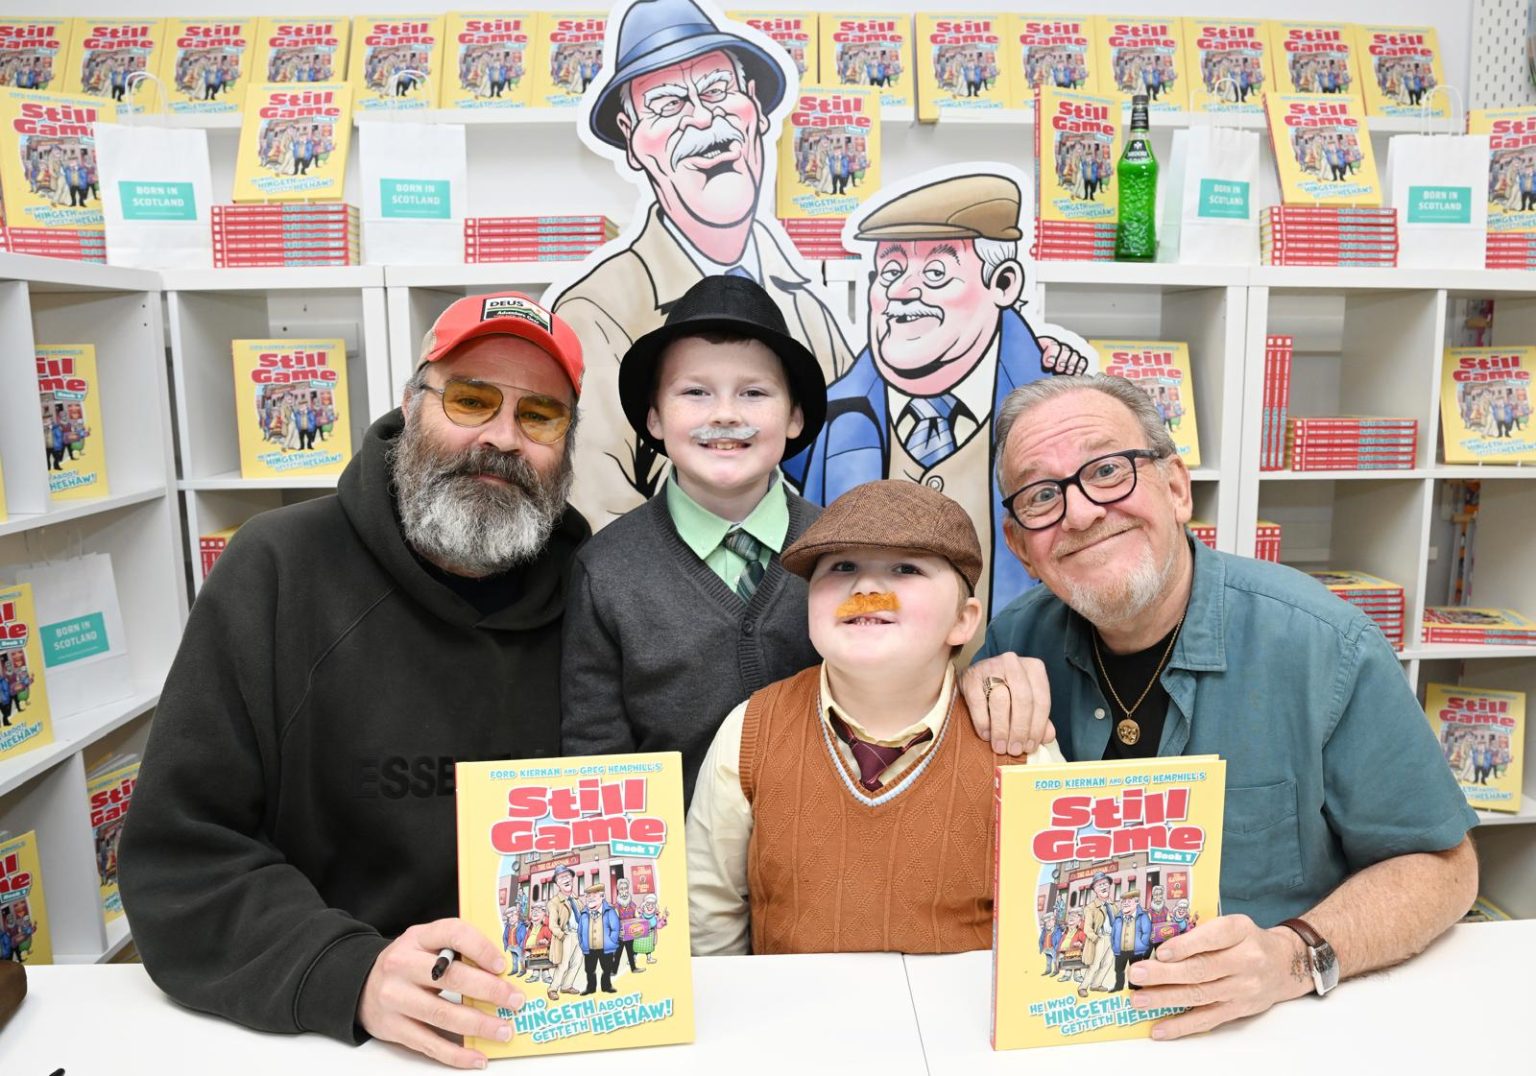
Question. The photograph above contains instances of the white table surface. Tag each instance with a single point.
(1466, 1004)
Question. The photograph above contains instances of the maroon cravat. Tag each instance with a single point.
(873, 758)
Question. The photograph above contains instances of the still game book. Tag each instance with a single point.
(1052, 50)
(24, 718)
(962, 63)
(1323, 150)
(106, 54)
(1077, 142)
(489, 58)
(1511, 168)
(24, 934)
(293, 142)
(205, 64)
(1315, 57)
(569, 56)
(1229, 66)
(291, 407)
(48, 167)
(576, 866)
(396, 61)
(796, 33)
(110, 790)
(1485, 404)
(829, 153)
(868, 50)
(301, 49)
(1098, 863)
(33, 51)
(1140, 54)
(1399, 70)
(1161, 370)
(69, 391)
(1482, 732)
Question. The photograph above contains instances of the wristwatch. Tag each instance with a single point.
(1325, 966)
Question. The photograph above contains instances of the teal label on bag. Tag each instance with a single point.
(1439, 205)
(72, 640)
(157, 201)
(1224, 198)
(416, 199)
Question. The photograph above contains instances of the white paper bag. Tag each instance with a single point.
(1438, 184)
(415, 192)
(155, 196)
(85, 651)
(1210, 205)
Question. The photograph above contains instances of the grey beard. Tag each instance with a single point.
(467, 526)
(1105, 608)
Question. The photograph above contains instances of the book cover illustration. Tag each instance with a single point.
(24, 718)
(1323, 150)
(1097, 865)
(873, 51)
(1485, 404)
(69, 391)
(1228, 63)
(24, 935)
(569, 56)
(1138, 54)
(577, 866)
(1161, 370)
(1077, 144)
(829, 153)
(205, 64)
(1511, 167)
(1482, 732)
(110, 790)
(104, 56)
(796, 32)
(1315, 57)
(961, 63)
(291, 407)
(489, 54)
(48, 165)
(301, 49)
(293, 142)
(211, 546)
(1481, 626)
(1052, 50)
(33, 52)
(1399, 67)
(396, 61)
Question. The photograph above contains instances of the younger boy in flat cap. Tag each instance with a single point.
(849, 807)
(681, 609)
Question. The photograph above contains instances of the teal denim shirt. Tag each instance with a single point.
(1331, 764)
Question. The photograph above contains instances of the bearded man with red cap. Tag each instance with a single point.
(290, 860)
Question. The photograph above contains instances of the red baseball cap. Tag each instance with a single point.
(510, 313)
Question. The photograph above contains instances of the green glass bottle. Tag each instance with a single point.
(1136, 173)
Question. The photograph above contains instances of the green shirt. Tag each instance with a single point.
(703, 531)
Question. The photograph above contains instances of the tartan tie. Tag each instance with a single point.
(873, 758)
(933, 436)
(750, 550)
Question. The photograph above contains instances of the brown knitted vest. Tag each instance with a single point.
(831, 871)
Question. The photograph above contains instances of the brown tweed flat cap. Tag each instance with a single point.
(965, 207)
(890, 514)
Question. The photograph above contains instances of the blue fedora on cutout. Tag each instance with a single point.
(659, 33)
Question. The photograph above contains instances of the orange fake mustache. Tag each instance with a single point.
(864, 604)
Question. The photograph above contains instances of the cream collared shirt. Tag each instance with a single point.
(974, 391)
(709, 267)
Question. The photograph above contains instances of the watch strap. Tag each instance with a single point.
(1311, 938)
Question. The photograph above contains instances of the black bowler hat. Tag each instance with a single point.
(729, 304)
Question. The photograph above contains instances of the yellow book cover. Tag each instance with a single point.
(291, 407)
(569, 56)
(1120, 857)
(869, 50)
(829, 153)
(1051, 50)
(1077, 142)
(105, 54)
(293, 143)
(1399, 67)
(24, 719)
(1143, 54)
(963, 63)
(1161, 370)
(110, 793)
(489, 59)
(576, 867)
(397, 61)
(1349, 581)
(1511, 166)
(1322, 149)
(1227, 64)
(70, 393)
(48, 171)
(205, 64)
(796, 32)
(33, 52)
(1482, 732)
(1485, 404)
(24, 933)
(1315, 57)
(302, 48)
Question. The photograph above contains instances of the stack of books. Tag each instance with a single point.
(818, 239)
(211, 547)
(1203, 531)
(1277, 401)
(1351, 443)
(284, 235)
(1328, 236)
(1266, 544)
(1491, 627)
(1510, 250)
(75, 244)
(535, 238)
(1377, 598)
(1074, 241)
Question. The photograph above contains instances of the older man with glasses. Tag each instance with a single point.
(1345, 844)
(289, 863)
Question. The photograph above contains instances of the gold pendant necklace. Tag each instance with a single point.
(1128, 730)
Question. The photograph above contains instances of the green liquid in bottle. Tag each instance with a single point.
(1136, 174)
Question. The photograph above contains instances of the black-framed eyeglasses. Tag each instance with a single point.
(1103, 480)
(470, 403)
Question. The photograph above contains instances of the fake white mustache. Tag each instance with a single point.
(723, 433)
(694, 141)
(904, 309)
